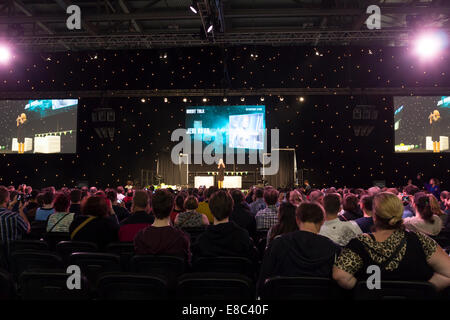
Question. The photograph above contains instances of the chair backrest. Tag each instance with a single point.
(215, 286)
(194, 233)
(21, 261)
(35, 245)
(51, 286)
(92, 264)
(239, 265)
(130, 286)
(299, 288)
(38, 229)
(53, 238)
(6, 285)
(170, 267)
(396, 290)
(125, 250)
(66, 248)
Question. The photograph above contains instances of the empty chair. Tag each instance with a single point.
(125, 250)
(66, 248)
(53, 238)
(300, 288)
(394, 290)
(6, 285)
(21, 261)
(215, 286)
(51, 286)
(130, 286)
(238, 265)
(35, 245)
(92, 264)
(170, 267)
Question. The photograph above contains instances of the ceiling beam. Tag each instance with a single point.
(125, 9)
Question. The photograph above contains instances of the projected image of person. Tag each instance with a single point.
(21, 132)
(435, 122)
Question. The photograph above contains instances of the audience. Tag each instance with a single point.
(75, 201)
(140, 217)
(46, 210)
(62, 218)
(191, 218)
(94, 225)
(316, 196)
(352, 211)
(161, 238)
(268, 217)
(408, 198)
(303, 252)
(241, 214)
(340, 232)
(400, 254)
(119, 209)
(203, 207)
(224, 237)
(425, 220)
(31, 205)
(258, 201)
(365, 223)
(178, 206)
(286, 224)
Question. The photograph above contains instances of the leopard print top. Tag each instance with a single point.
(351, 262)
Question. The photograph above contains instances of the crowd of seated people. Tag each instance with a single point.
(331, 233)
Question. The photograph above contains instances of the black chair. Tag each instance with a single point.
(396, 290)
(6, 285)
(237, 265)
(51, 286)
(38, 229)
(170, 267)
(261, 247)
(92, 264)
(21, 261)
(34, 245)
(215, 286)
(53, 238)
(125, 250)
(300, 288)
(130, 286)
(443, 239)
(66, 248)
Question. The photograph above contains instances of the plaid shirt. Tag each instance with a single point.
(266, 218)
(12, 226)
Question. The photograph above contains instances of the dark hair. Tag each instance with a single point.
(179, 200)
(34, 194)
(310, 212)
(259, 193)
(120, 189)
(111, 194)
(191, 203)
(211, 190)
(4, 194)
(48, 196)
(62, 202)
(423, 205)
(271, 196)
(411, 189)
(367, 202)
(221, 205)
(162, 203)
(75, 195)
(332, 203)
(237, 196)
(140, 199)
(286, 218)
(95, 206)
(350, 203)
(315, 195)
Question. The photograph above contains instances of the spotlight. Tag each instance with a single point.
(205, 99)
(163, 55)
(143, 100)
(281, 98)
(166, 100)
(301, 99)
(262, 98)
(254, 56)
(210, 28)
(429, 44)
(193, 8)
(242, 99)
(5, 54)
(225, 99)
(184, 99)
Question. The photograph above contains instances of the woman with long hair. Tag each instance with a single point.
(435, 122)
(426, 220)
(221, 175)
(21, 121)
(287, 222)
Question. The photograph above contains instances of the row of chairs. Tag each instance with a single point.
(38, 285)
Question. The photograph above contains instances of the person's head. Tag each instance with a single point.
(270, 196)
(258, 193)
(350, 203)
(48, 197)
(93, 190)
(387, 211)
(422, 203)
(162, 203)
(211, 190)
(220, 162)
(286, 220)
(33, 195)
(120, 190)
(75, 196)
(373, 191)
(140, 201)
(436, 113)
(310, 216)
(61, 203)
(24, 116)
(191, 203)
(393, 191)
(332, 204)
(306, 182)
(221, 205)
(111, 194)
(295, 198)
(316, 196)
(4, 196)
(237, 195)
(434, 181)
(179, 201)
(366, 204)
(95, 206)
(444, 195)
(410, 189)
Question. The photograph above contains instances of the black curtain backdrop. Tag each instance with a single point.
(285, 176)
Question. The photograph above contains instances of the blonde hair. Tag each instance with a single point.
(23, 116)
(434, 205)
(388, 210)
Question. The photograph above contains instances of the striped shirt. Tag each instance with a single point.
(266, 218)
(12, 226)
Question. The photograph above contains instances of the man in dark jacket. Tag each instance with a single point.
(224, 238)
(241, 214)
(303, 252)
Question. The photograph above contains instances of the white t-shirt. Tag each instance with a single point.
(340, 232)
(120, 196)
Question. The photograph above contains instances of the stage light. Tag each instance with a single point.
(143, 100)
(205, 99)
(193, 9)
(242, 99)
(429, 44)
(301, 99)
(184, 99)
(166, 100)
(5, 54)
(281, 98)
(225, 99)
(210, 27)
(262, 98)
